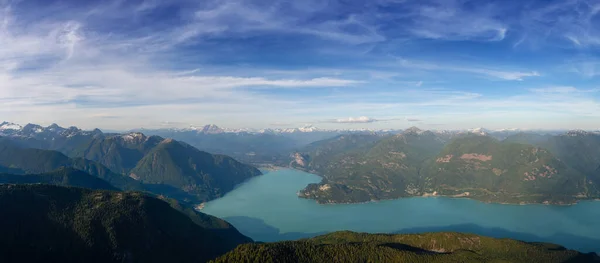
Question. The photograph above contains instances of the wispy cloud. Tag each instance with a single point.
(588, 69)
(494, 73)
(413, 120)
(362, 119)
(563, 90)
(570, 21)
(452, 20)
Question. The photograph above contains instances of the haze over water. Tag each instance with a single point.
(267, 208)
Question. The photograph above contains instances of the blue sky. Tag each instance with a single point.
(436, 64)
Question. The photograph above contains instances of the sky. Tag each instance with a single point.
(347, 64)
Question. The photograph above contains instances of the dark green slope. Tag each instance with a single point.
(230, 236)
(432, 247)
(42, 223)
(35, 161)
(245, 147)
(380, 169)
(580, 151)
(483, 168)
(528, 138)
(63, 177)
(166, 167)
(120, 153)
(317, 156)
(201, 175)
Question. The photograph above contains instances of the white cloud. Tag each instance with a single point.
(362, 119)
(228, 81)
(505, 75)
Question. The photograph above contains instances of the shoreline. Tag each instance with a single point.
(455, 197)
(271, 168)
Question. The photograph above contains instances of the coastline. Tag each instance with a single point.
(545, 203)
(464, 195)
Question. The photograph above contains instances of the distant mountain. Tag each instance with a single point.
(141, 163)
(198, 173)
(528, 138)
(380, 168)
(63, 177)
(266, 146)
(578, 149)
(52, 137)
(483, 168)
(120, 153)
(41, 223)
(417, 162)
(432, 247)
(16, 159)
(315, 156)
(243, 146)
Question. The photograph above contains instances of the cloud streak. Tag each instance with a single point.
(494, 73)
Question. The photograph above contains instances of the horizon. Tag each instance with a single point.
(317, 128)
(385, 64)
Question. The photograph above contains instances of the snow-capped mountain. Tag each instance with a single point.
(573, 133)
(479, 131)
(9, 126)
(413, 130)
(212, 129)
(46, 133)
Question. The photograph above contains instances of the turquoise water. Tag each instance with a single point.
(267, 208)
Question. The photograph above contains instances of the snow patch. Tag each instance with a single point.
(10, 126)
(135, 136)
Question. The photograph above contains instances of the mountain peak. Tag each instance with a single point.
(133, 137)
(308, 128)
(9, 126)
(55, 128)
(30, 127)
(479, 131)
(574, 133)
(212, 129)
(413, 130)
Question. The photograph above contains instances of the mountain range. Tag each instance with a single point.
(131, 161)
(507, 166)
(551, 169)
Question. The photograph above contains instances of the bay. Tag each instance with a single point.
(267, 208)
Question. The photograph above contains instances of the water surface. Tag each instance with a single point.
(267, 208)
